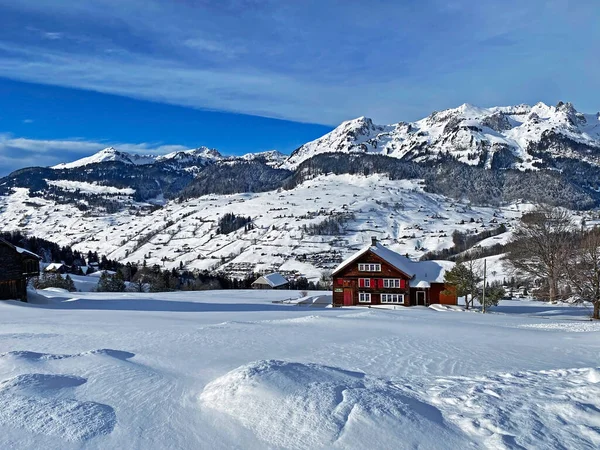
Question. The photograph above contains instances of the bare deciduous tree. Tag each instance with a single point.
(540, 245)
(584, 268)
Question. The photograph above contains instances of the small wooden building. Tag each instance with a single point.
(377, 275)
(270, 281)
(17, 265)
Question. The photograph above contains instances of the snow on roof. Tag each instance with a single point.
(27, 252)
(272, 279)
(53, 266)
(431, 271)
(400, 262)
(19, 249)
(425, 272)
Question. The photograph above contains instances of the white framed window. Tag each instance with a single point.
(364, 282)
(391, 283)
(392, 298)
(369, 267)
(364, 297)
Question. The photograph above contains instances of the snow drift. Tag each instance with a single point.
(295, 405)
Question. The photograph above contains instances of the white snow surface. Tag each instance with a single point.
(232, 369)
(399, 213)
(462, 132)
(89, 188)
(108, 154)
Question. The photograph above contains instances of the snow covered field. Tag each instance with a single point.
(398, 212)
(232, 369)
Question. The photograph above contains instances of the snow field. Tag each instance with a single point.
(231, 369)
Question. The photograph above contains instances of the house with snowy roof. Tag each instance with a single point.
(270, 281)
(376, 275)
(55, 268)
(17, 266)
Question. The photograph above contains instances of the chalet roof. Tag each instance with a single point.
(19, 249)
(430, 271)
(400, 262)
(418, 271)
(272, 279)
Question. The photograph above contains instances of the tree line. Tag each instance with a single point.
(562, 259)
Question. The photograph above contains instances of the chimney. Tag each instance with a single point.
(373, 241)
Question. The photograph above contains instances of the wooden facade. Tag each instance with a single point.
(17, 266)
(347, 285)
(370, 279)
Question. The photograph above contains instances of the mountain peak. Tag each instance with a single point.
(488, 137)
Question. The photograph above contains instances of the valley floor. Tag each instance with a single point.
(232, 369)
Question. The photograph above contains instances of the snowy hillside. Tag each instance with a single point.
(184, 233)
(497, 137)
(230, 369)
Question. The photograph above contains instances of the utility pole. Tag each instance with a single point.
(484, 281)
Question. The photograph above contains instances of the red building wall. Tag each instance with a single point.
(346, 281)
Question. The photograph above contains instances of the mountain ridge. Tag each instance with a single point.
(471, 134)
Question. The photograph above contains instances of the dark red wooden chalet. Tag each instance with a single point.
(377, 275)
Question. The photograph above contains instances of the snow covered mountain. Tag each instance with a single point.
(109, 154)
(519, 137)
(191, 157)
(410, 184)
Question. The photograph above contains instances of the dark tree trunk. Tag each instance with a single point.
(596, 313)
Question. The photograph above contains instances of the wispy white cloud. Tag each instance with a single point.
(311, 61)
(18, 152)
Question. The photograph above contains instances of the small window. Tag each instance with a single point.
(364, 282)
(364, 297)
(369, 267)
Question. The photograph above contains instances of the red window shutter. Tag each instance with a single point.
(340, 281)
(373, 283)
(361, 282)
(402, 284)
(381, 282)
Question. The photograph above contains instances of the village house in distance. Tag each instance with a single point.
(377, 275)
(271, 281)
(17, 266)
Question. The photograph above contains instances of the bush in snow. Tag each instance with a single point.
(111, 282)
(54, 280)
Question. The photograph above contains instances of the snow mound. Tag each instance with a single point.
(31, 356)
(33, 381)
(563, 410)
(27, 403)
(36, 356)
(295, 405)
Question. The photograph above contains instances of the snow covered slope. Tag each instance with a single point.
(284, 237)
(498, 137)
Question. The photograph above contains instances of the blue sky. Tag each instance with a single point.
(251, 75)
